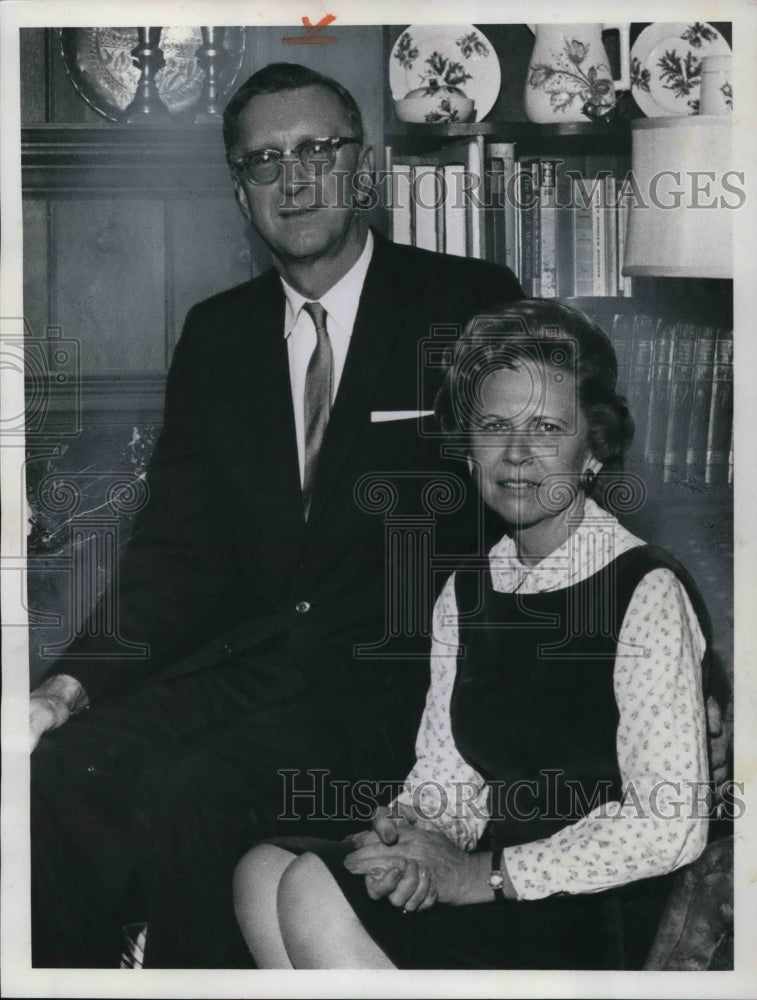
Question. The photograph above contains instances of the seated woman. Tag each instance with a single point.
(563, 742)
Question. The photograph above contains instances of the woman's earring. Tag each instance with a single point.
(588, 480)
(469, 460)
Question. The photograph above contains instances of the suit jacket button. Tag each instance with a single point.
(302, 607)
(227, 647)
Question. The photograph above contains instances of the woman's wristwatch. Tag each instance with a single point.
(496, 879)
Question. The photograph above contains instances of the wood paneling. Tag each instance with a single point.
(80, 161)
(210, 247)
(33, 60)
(36, 250)
(108, 285)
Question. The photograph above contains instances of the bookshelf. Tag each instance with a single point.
(665, 330)
(588, 137)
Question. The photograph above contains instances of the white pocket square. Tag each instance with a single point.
(381, 416)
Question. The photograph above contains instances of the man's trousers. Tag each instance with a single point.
(142, 807)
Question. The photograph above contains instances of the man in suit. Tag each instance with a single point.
(259, 580)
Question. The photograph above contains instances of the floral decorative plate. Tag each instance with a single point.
(100, 66)
(666, 66)
(435, 56)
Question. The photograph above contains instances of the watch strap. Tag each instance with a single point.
(496, 878)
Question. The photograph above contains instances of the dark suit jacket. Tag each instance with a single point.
(221, 557)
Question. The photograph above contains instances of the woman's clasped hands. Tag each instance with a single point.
(412, 866)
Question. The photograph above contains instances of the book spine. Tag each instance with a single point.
(452, 211)
(582, 240)
(517, 190)
(548, 220)
(696, 446)
(639, 379)
(536, 229)
(611, 245)
(565, 239)
(494, 213)
(494, 238)
(721, 411)
(476, 228)
(659, 396)
(622, 339)
(426, 190)
(526, 199)
(598, 240)
(401, 203)
(500, 158)
(625, 283)
(680, 403)
(511, 229)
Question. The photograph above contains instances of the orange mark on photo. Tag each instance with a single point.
(313, 35)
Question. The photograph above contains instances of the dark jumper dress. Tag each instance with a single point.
(533, 701)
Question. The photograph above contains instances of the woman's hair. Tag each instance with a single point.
(549, 334)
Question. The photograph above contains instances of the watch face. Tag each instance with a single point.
(496, 881)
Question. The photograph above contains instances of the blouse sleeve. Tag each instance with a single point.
(661, 821)
(451, 795)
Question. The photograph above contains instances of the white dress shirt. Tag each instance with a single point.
(661, 730)
(341, 304)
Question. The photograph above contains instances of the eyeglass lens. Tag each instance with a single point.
(315, 155)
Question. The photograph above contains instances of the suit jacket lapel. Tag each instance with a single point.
(270, 415)
(384, 293)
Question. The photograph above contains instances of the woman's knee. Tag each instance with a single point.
(260, 869)
(256, 883)
(308, 893)
(305, 889)
(300, 883)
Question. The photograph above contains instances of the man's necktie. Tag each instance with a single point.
(318, 382)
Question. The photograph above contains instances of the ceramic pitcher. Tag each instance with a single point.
(569, 70)
(716, 92)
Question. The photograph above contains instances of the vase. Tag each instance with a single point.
(569, 77)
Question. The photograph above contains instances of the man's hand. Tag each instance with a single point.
(52, 704)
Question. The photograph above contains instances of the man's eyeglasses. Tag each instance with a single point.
(263, 166)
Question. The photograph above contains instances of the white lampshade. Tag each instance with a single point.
(679, 224)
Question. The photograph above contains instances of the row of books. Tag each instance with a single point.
(678, 379)
(436, 199)
(558, 222)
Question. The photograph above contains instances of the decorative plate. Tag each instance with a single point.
(666, 66)
(433, 56)
(100, 66)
